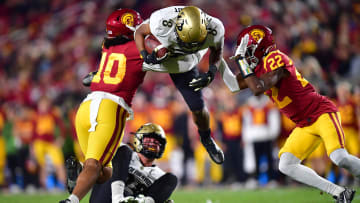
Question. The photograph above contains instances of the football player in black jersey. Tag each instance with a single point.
(135, 176)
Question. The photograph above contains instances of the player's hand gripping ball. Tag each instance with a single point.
(156, 52)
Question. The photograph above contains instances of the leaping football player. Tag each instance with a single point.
(265, 69)
(100, 119)
(188, 32)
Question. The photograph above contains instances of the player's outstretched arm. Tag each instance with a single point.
(241, 82)
(265, 82)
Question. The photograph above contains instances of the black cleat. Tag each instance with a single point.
(65, 201)
(215, 153)
(73, 169)
(346, 196)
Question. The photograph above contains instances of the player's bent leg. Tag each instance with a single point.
(201, 119)
(291, 166)
(87, 177)
(105, 174)
(343, 159)
(200, 115)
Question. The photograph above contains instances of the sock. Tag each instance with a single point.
(117, 191)
(343, 159)
(290, 166)
(73, 198)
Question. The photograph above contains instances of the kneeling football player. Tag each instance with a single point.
(135, 176)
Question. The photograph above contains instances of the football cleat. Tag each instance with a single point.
(345, 196)
(73, 169)
(65, 201)
(216, 154)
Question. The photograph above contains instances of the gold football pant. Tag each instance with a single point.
(102, 143)
(327, 129)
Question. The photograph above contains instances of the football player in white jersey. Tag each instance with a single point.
(135, 176)
(188, 32)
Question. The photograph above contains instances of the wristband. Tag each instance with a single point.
(212, 69)
(244, 67)
(143, 54)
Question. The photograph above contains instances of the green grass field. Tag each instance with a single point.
(283, 195)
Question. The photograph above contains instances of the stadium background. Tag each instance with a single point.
(47, 47)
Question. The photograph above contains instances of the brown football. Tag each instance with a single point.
(151, 44)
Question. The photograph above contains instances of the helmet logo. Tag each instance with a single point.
(257, 34)
(128, 19)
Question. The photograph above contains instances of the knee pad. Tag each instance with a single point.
(287, 160)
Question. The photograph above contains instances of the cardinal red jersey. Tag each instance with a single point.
(293, 95)
(232, 125)
(348, 114)
(120, 71)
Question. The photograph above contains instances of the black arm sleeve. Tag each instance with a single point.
(162, 188)
(121, 163)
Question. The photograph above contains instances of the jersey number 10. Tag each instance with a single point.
(112, 58)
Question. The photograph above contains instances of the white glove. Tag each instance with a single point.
(144, 199)
(128, 199)
(241, 49)
(240, 57)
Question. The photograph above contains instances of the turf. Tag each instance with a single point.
(283, 195)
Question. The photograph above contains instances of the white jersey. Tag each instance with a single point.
(162, 26)
(140, 177)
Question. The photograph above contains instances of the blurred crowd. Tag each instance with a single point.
(47, 47)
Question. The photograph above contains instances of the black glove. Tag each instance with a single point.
(204, 79)
(88, 78)
(149, 58)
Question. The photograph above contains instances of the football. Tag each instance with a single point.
(152, 44)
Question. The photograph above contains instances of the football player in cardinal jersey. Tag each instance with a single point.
(265, 69)
(188, 32)
(100, 119)
(135, 176)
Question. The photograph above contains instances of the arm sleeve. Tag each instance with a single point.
(121, 163)
(228, 77)
(162, 188)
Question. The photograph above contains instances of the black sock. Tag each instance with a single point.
(204, 133)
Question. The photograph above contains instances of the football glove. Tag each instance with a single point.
(88, 78)
(144, 199)
(204, 79)
(128, 199)
(150, 58)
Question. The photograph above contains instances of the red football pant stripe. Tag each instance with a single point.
(337, 130)
(120, 132)
(339, 124)
(113, 137)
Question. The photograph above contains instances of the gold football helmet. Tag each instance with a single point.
(191, 27)
(150, 130)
